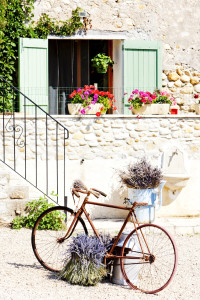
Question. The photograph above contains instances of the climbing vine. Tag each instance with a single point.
(16, 21)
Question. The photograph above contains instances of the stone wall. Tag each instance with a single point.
(183, 83)
(175, 23)
(98, 147)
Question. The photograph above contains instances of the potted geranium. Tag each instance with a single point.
(157, 102)
(197, 104)
(101, 62)
(144, 183)
(89, 100)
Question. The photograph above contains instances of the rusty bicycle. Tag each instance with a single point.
(148, 257)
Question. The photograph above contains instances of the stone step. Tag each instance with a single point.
(12, 203)
(9, 209)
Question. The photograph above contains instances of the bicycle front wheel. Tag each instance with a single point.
(153, 271)
(51, 252)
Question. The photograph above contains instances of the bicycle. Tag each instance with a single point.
(148, 257)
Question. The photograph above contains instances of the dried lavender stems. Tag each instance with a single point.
(85, 266)
(141, 175)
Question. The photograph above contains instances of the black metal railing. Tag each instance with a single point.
(32, 142)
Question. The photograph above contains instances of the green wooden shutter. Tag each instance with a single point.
(142, 67)
(33, 72)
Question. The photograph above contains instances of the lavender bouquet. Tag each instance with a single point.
(86, 264)
(141, 175)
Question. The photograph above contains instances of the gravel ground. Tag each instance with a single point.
(22, 277)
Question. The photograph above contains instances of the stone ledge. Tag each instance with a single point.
(114, 116)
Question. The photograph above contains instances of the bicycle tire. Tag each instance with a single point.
(154, 274)
(50, 253)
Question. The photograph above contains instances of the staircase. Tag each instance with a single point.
(32, 145)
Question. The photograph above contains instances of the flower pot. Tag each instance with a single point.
(133, 243)
(197, 109)
(152, 109)
(144, 214)
(75, 109)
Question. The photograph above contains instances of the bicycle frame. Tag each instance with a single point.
(131, 213)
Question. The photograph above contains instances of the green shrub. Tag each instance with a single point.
(34, 209)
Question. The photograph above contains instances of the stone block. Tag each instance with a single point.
(164, 131)
(178, 83)
(194, 80)
(173, 76)
(187, 90)
(197, 88)
(141, 127)
(10, 209)
(179, 72)
(78, 136)
(4, 178)
(185, 78)
(18, 192)
(88, 129)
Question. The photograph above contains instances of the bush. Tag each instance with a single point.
(34, 209)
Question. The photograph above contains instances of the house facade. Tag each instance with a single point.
(154, 44)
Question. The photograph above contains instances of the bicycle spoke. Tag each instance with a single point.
(156, 269)
(48, 249)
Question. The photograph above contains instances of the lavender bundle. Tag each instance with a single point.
(86, 264)
(141, 175)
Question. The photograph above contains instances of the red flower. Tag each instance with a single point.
(101, 108)
(196, 96)
(98, 114)
(115, 108)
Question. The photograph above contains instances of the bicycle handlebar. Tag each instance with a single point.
(94, 192)
(100, 192)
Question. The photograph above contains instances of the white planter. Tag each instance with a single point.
(117, 276)
(144, 214)
(152, 109)
(75, 109)
(197, 109)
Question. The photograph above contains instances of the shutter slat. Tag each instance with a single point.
(142, 67)
(33, 72)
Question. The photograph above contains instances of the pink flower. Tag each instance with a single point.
(130, 108)
(83, 111)
(89, 107)
(135, 91)
(164, 94)
(150, 99)
(125, 94)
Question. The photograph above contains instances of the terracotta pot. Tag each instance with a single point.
(75, 109)
(152, 109)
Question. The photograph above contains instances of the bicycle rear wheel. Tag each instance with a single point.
(154, 272)
(51, 226)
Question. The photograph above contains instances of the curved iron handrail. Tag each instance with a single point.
(9, 93)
